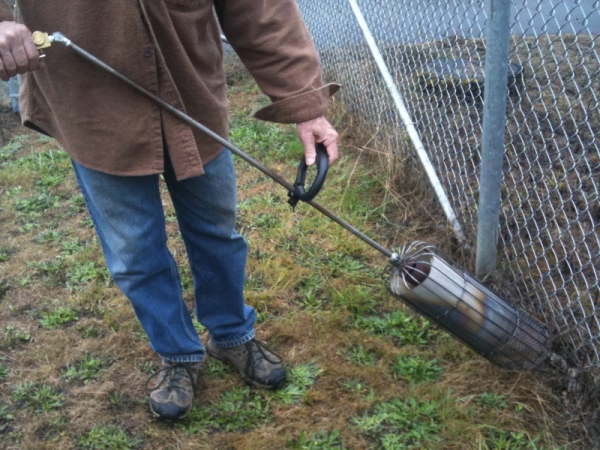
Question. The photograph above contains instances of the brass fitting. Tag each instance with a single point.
(41, 40)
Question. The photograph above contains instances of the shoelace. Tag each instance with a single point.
(174, 376)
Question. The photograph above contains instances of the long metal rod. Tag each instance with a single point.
(492, 147)
(408, 123)
(62, 39)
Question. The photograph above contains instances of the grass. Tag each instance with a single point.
(86, 369)
(58, 316)
(397, 424)
(363, 371)
(107, 438)
(40, 397)
(416, 369)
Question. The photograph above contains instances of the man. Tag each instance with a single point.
(119, 142)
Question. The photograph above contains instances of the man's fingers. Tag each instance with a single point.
(8, 63)
(318, 130)
(32, 54)
(332, 151)
(21, 60)
(3, 75)
(18, 53)
(310, 152)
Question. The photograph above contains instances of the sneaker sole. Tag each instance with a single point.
(170, 419)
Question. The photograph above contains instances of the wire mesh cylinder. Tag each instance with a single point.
(468, 310)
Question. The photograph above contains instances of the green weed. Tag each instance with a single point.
(84, 272)
(58, 316)
(6, 253)
(236, 410)
(300, 378)
(254, 282)
(119, 401)
(6, 417)
(76, 204)
(71, 247)
(107, 438)
(310, 292)
(360, 356)
(86, 222)
(91, 331)
(4, 287)
(415, 369)
(3, 372)
(13, 335)
(357, 385)
(54, 428)
(216, 368)
(48, 237)
(401, 424)
(26, 227)
(358, 299)
(266, 221)
(497, 439)
(490, 400)
(187, 281)
(35, 206)
(339, 264)
(268, 140)
(322, 440)
(147, 367)
(50, 180)
(53, 270)
(86, 369)
(13, 192)
(11, 149)
(39, 397)
(401, 327)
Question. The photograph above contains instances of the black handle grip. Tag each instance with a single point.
(299, 193)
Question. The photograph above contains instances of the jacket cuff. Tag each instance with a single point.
(299, 108)
(6, 13)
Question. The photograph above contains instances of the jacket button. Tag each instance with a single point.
(148, 53)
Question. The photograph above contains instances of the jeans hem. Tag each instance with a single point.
(234, 343)
(183, 358)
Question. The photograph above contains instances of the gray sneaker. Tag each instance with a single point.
(171, 398)
(259, 366)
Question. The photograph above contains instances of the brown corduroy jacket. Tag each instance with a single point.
(173, 49)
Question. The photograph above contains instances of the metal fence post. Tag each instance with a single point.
(13, 89)
(494, 122)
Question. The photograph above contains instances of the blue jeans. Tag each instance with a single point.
(129, 219)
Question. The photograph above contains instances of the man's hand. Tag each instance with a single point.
(18, 53)
(314, 131)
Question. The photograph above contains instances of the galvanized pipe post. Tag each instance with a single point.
(13, 90)
(494, 122)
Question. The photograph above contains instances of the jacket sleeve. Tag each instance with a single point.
(273, 42)
(6, 12)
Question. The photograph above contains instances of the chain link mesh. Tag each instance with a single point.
(4, 95)
(549, 240)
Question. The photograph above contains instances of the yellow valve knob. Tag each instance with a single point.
(41, 40)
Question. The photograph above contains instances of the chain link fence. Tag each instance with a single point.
(435, 51)
(9, 94)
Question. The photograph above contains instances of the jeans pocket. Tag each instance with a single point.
(185, 5)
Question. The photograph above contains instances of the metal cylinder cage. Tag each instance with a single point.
(471, 312)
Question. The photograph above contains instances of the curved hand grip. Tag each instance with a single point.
(299, 193)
